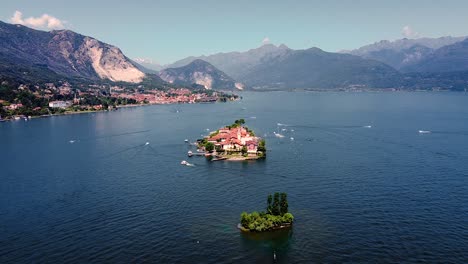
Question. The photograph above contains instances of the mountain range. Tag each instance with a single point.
(422, 63)
(404, 53)
(30, 55)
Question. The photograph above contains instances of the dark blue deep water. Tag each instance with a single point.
(383, 194)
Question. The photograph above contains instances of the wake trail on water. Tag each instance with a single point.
(113, 135)
(460, 133)
(330, 127)
(122, 151)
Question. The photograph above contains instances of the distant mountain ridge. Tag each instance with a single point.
(202, 73)
(403, 53)
(66, 53)
(450, 58)
(30, 55)
(237, 64)
(405, 43)
(279, 67)
(315, 68)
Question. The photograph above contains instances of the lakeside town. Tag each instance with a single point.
(234, 142)
(27, 101)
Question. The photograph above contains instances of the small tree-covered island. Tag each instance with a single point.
(234, 142)
(276, 216)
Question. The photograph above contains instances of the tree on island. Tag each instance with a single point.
(244, 150)
(283, 203)
(219, 148)
(209, 147)
(261, 146)
(239, 122)
(277, 215)
(269, 206)
(276, 204)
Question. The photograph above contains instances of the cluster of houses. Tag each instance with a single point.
(11, 106)
(234, 139)
(181, 95)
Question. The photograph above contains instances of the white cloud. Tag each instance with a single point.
(45, 21)
(266, 40)
(408, 32)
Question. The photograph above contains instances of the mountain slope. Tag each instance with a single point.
(314, 68)
(450, 58)
(66, 53)
(403, 52)
(400, 58)
(237, 64)
(199, 72)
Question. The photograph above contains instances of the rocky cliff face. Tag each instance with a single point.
(67, 53)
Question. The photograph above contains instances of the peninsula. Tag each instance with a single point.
(234, 142)
(276, 217)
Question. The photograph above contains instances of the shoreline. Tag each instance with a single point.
(273, 229)
(98, 111)
(235, 158)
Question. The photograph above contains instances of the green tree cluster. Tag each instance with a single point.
(209, 147)
(276, 215)
(237, 123)
(261, 146)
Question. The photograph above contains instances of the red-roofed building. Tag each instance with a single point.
(234, 139)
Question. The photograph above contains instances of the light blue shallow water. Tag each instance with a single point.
(380, 194)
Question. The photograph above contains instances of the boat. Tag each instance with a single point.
(190, 153)
(424, 132)
(186, 141)
(278, 135)
(186, 163)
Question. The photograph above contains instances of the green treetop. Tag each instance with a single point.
(277, 215)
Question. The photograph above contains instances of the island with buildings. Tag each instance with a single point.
(233, 143)
(276, 216)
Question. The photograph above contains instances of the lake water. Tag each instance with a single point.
(384, 193)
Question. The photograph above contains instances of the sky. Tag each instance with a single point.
(166, 31)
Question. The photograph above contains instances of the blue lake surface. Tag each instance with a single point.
(379, 194)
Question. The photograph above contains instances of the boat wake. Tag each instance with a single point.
(278, 135)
